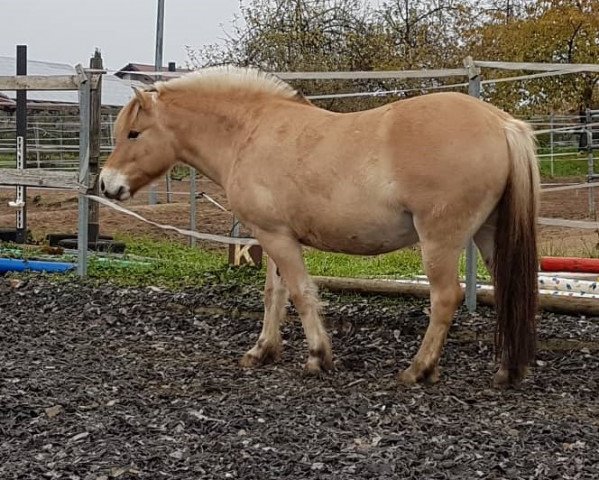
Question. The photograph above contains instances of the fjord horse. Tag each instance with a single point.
(437, 169)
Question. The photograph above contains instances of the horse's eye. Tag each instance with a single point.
(133, 134)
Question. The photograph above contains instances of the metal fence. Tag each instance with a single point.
(567, 137)
(53, 138)
(78, 182)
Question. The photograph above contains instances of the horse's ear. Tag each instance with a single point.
(143, 98)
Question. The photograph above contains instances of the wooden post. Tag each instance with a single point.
(547, 301)
(169, 187)
(243, 254)
(21, 193)
(95, 63)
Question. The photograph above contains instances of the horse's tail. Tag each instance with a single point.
(516, 261)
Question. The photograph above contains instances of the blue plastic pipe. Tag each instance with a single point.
(17, 265)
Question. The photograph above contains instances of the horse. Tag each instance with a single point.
(437, 169)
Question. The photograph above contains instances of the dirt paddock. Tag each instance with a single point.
(99, 382)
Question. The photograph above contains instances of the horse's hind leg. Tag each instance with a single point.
(286, 253)
(268, 346)
(441, 267)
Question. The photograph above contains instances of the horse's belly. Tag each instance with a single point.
(361, 236)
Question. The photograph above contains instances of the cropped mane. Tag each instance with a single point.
(230, 78)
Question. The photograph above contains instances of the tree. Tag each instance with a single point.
(303, 35)
(327, 35)
(553, 31)
(502, 11)
(288, 35)
(425, 34)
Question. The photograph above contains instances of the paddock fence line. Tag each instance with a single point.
(471, 72)
(80, 181)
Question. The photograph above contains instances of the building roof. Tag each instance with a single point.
(115, 91)
(135, 71)
(144, 67)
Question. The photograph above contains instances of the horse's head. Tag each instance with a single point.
(144, 148)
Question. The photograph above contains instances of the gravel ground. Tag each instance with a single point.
(100, 382)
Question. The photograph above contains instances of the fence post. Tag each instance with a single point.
(471, 254)
(169, 187)
(111, 129)
(551, 125)
(21, 192)
(84, 115)
(36, 131)
(95, 63)
(590, 160)
(192, 204)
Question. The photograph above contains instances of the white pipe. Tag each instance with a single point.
(568, 285)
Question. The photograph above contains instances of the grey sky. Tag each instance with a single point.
(68, 31)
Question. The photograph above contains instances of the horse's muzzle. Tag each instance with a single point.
(114, 185)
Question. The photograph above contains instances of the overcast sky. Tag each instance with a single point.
(68, 31)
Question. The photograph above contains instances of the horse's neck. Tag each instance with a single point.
(210, 138)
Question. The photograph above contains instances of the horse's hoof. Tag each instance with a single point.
(312, 367)
(432, 377)
(508, 377)
(410, 376)
(319, 361)
(260, 355)
(407, 377)
(249, 360)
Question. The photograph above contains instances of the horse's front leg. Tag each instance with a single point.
(286, 253)
(268, 347)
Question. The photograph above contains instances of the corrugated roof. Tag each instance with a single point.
(115, 91)
(144, 67)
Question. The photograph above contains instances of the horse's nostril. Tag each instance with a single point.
(102, 186)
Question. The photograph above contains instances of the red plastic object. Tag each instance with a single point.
(570, 264)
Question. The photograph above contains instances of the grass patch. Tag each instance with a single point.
(7, 161)
(586, 249)
(568, 162)
(169, 264)
(175, 265)
(401, 264)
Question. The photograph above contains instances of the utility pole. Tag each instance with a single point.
(158, 67)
